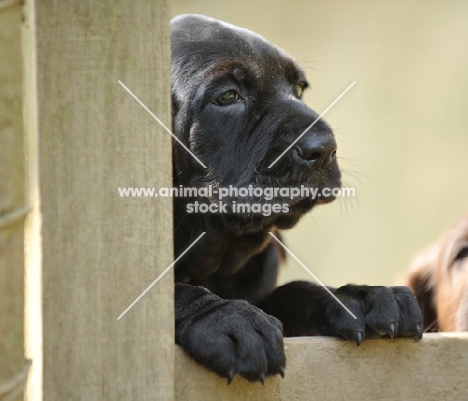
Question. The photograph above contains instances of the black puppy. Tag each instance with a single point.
(237, 106)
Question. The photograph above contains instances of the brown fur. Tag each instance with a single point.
(439, 278)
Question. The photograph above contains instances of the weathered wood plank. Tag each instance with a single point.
(12, 204)
(321, 368)
(101, 251)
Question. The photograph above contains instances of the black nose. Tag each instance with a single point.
(318, 151)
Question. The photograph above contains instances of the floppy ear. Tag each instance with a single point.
(180, 157)
(422, 281)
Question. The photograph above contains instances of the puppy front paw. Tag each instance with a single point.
(233, 336)
(378, 312)
(306, 309)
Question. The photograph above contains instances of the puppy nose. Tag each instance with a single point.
(317, 151)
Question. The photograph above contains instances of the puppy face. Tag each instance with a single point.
(451, 278)
(237, 104)
(439, 277)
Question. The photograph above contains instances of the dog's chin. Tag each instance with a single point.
(291, 209)
(303, 206)
(241, 224)
(245, 223)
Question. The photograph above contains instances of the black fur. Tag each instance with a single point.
(237, 258)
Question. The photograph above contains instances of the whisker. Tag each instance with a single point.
(353, 175)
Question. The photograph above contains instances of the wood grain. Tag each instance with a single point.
(100, 251)
(322, 368)
(12, 203)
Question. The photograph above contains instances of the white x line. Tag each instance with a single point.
(201, 235)
(160, 122)
(311, 125)
(160, 276)
(312, 274)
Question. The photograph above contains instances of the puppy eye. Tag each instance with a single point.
(299, 88)
(461, 255)
(226, 98)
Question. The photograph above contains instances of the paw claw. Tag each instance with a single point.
(359, 337)
(391, 331)
(230, 376)
(262, 379)
(419, 331)
(281, 372)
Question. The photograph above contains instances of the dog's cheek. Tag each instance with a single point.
(217, 137)
(453, 298)
(462, 316)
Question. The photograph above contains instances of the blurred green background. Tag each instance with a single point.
(401, 130)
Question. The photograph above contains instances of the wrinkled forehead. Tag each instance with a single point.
(201, 43)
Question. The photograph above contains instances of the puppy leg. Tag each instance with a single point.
(307, 309)
(228, 336)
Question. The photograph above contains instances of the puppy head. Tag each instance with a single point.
(451, 276)
(237, 105)
(439, 277)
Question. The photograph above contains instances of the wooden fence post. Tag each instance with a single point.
(100, 250)
(13, 370)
